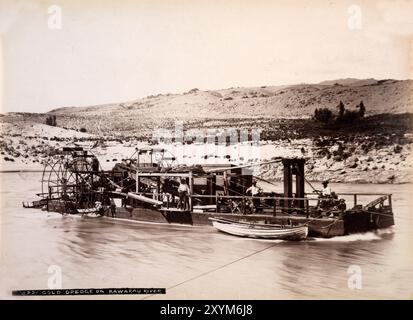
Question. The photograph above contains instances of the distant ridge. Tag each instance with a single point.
(196, 106)
(291, 101)
(351, 81)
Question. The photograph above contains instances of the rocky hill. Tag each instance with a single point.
(293, 101)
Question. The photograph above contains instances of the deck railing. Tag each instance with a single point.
(278, 203)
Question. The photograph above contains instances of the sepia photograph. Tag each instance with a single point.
(206, 150)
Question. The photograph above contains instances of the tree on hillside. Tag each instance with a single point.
(341, 109)
(323, 115)
(361, 109)
(51, 121)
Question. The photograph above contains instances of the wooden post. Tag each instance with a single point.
(214, 184)
(158, 187)
(288, 190)
(390, 203)
(225, 184)
(208, 189)
(275, 208)
(355, 200)
(243, 205)
(191, 190)
(211, 181)
(137, 181)
(300, 193)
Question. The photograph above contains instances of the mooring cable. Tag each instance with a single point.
(215, 269)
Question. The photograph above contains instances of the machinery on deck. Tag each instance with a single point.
(145, 187)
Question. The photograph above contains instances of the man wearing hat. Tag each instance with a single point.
(326, 191)
(325, 197)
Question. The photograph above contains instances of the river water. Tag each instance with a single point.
(199, 262)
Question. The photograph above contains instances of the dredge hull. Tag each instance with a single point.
(350, 222)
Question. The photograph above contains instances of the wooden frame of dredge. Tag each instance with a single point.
(145, 188)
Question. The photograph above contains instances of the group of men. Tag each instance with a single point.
(253, 190)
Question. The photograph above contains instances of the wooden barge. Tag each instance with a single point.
(147, 190)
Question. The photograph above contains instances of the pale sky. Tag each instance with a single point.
(117, 51)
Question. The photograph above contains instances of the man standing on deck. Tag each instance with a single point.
(183, 191)
(113, 208)
(326, 191)
(325, 200)
(255, 191)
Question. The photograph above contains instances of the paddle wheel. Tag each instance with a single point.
(73, 182)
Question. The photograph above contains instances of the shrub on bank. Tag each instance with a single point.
(51, 121)
(326, 116)
(323, 115)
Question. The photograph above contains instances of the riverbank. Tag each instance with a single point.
(371, 153)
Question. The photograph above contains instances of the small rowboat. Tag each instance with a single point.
(97, 209)
(261, 231)
(92, 212)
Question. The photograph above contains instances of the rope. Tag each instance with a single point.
(229, 188)
(331, 224)
(378, 213)
(215, 269)
(314, 189)
(267, 181)
(305, 179)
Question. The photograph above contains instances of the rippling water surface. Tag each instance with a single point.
(198, 262)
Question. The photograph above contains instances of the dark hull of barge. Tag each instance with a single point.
(349, 222)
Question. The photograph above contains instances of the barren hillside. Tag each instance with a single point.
(294, 101)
